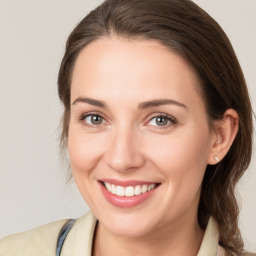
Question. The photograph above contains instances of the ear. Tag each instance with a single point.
(224, 133)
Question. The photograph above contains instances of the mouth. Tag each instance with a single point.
(129, 191)
(127, 194)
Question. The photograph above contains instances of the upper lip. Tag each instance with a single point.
(126, 183)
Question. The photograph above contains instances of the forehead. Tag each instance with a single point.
(132, 68)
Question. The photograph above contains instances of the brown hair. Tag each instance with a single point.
(185, 28)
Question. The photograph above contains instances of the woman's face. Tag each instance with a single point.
(137, 123)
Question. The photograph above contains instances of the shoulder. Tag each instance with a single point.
(42, 239)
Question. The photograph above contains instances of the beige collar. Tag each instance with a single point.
(79, 240)
(209, 245)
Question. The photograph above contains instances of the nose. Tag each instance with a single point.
(124, 152)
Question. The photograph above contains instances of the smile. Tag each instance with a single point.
(127, 194)
(130, 190)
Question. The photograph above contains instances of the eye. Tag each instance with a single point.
(162, 121)
(93, 119)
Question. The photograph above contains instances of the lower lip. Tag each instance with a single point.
(126, 201)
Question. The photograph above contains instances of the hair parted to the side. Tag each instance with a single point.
(188, 30)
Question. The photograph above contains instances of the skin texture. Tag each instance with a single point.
(129, 144)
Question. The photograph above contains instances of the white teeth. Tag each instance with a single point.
(137, 190)
(151, 187)
(113, 189)
(108, 186)
(130, 190)
(119, 190)
(144, 189)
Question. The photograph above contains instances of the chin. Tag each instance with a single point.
(128, 225)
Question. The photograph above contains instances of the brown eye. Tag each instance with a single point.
(94, 120)
(161, 121)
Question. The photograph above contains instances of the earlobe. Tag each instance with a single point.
(225, 132)
(216, 158)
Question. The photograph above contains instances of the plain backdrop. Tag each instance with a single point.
(32, 39)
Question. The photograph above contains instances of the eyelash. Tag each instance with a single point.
(84, 116)
(171, 119)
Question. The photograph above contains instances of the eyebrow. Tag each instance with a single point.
(90, 101)
(143, 105)
(159, 102)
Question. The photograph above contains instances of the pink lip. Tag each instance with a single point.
(126, 202)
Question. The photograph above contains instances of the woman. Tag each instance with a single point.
(158, 125)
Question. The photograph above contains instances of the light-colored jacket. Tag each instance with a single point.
(42, 241)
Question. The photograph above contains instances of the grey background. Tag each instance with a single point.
(32, 38)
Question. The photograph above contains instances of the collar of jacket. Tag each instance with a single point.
(79, 240)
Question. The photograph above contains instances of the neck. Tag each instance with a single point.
(180, 239)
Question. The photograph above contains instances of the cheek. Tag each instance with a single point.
(84, 151)
(181, 158)
(182, 161)
(180, 149)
